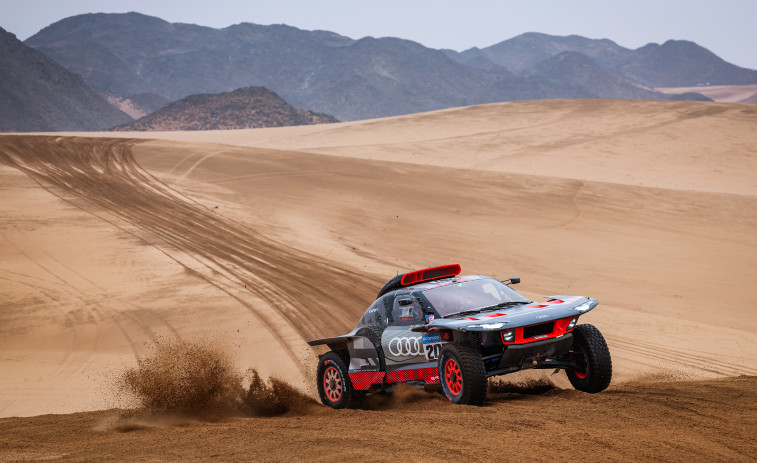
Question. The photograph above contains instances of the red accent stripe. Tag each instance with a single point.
(429, 375)
(362, 380)
(495, 315)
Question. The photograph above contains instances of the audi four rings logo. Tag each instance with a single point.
(405, 346)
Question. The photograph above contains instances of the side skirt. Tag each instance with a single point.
(427, 372)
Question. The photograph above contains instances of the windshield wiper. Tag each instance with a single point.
(511, 303)
(466, 312)
(501, 305)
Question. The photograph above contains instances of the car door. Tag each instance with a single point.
(400, 345)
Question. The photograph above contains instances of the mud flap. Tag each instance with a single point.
(364, 368)
(363, 356)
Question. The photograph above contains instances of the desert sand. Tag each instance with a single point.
(719, 93)
(262, 239)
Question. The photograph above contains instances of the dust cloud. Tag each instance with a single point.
(198, 380)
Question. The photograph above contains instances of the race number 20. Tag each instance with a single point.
(432, 350)
(432, 346)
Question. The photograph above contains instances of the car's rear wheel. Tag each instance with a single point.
(462, 374)
(593, 370)
(334, 385)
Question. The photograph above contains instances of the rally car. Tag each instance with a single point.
(432, 326)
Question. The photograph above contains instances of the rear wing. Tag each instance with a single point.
(419, 276)
(335, 340)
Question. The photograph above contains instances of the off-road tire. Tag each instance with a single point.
(343, 354)
(462, 374)
(596, 371)
(374, 332)
(334, 385)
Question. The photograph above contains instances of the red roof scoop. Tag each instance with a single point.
(428, 274)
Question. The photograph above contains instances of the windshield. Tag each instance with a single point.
(471, 295)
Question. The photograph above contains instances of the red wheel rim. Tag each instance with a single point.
(332, 384)
(453, 377)
(581, 374)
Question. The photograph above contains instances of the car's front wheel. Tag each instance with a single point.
(593, 370)
(334, 385)
(462, 374)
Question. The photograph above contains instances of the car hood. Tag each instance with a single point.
(555, 308)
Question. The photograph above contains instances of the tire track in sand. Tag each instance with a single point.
(700, 361)
(93, 300)
(304, 291)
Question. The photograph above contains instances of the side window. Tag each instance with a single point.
(371, 316)
(406, 310)
(380, 312)
(385, 309)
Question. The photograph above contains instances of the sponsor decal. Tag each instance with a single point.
(405, 346)
(429, 338)
(429, 318)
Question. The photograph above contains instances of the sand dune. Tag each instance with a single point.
(263, 238)
(76, 310)
(672, 145)
(720, 93)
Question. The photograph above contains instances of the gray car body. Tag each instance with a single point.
(364, 357)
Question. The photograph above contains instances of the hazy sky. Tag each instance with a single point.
(726, 27)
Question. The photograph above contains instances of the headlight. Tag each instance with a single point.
(488, 326)
(508, 336)
(583, 307)
(572, 324)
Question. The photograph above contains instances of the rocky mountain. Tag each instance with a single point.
(37, 94)
(676, 63)
(692, 96)
(588, 78)
(128, 54)
(680, 63)
(137, 105)
(521, 53)
(244, 108)
(132, 53)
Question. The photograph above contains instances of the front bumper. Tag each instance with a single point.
(519, 354)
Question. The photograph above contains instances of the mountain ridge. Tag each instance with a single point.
(586, 74)
(244, 108)
(39, 95)
(673, 63)
(131, 53)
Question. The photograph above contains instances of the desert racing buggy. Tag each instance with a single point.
(432, 326)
